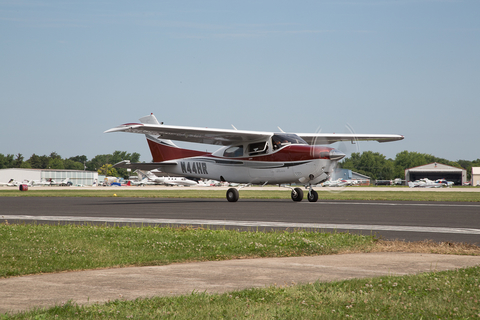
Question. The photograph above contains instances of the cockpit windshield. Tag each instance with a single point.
(281, 139)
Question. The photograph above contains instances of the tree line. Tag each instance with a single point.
(378, 167)
(101, 163)
(372, 164)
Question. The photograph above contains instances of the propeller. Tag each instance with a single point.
(346, 147)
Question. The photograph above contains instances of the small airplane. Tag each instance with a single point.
(425, 183)
(137, 183)
(15, 183)
(246, 157)
(169, 181)
(446, 183)
(40, 183)
(335, 183)
(11, 183)
(64, 183)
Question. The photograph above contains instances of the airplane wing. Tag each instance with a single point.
(227, 137)
(224, 137)
(328, 138)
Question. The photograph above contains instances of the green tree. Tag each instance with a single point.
(18, 161)
(56, 163)
(98, 161)
(81, 159)
(108, 170)
(73, 165)
(372, 164)
(6, 161)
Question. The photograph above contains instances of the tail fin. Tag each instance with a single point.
(164, 150)
(141, 174)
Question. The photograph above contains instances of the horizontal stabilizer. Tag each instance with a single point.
(125, 164)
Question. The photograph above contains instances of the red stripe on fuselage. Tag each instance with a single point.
(294, 152)
(162, 152)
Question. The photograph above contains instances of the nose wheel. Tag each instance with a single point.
(297, 194)
(312, 196)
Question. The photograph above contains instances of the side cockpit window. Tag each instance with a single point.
(235, 151)
(281, 140)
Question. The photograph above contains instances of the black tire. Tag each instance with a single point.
(312, 196)
(232, 195)
(297, 194)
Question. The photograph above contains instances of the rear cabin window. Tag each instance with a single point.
(257, 148)
(235, 151)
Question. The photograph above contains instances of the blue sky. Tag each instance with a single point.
(70, 70)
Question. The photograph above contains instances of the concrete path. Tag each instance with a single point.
(23, 293)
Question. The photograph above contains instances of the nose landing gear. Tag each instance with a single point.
(312, 195)
(297, 194)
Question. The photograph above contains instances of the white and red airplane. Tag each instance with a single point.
(246, 157)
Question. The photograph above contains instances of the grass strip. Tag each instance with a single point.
(30, 249)
(341, 194)
(434, 295)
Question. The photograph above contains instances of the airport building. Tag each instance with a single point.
(475, 176)
(434, 171)
(76, 177)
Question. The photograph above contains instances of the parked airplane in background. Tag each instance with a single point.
(65, 182)
(169, 181)
(40, 183)
(425, 183)
(15, 183)
(446, 183)
(335, 183)
(246, 157)
(11, 183)
(341, 183)
(137, 183)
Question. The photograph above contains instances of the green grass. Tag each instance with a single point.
(434, 295)
(281, 193)
(29, 249)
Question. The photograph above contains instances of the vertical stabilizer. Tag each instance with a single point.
(162, 149)
(150, 119)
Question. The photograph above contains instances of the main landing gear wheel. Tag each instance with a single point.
(312, 196)
(297, 194)
(232, 195)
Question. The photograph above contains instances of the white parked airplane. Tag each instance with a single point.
(246, 157)
(425, 183)
(65, 182)
(169, 181)
(40, 183)
(15, 183)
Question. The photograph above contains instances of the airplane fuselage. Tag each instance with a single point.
(295, 163)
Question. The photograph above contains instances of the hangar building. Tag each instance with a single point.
(434, 171)
(475, 176)
(77, 177)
